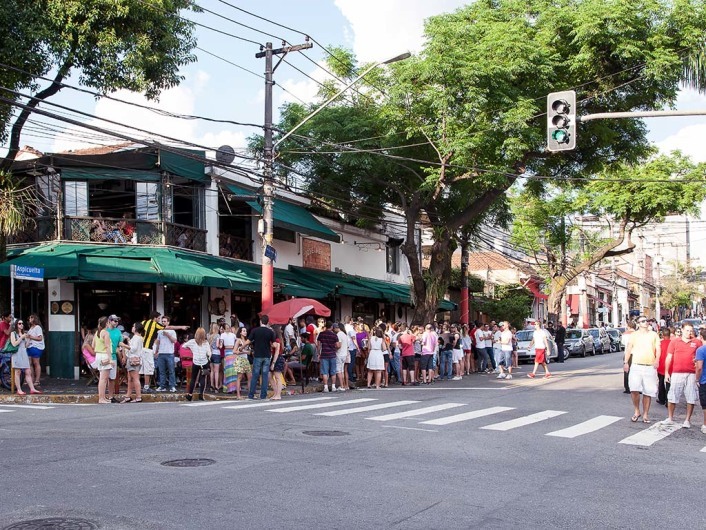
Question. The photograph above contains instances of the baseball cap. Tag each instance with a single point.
(114, 318)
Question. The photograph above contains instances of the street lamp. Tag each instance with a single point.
(268, 186)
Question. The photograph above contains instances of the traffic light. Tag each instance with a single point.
(561, 121)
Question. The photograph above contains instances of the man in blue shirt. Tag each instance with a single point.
(116, 337)
(701, 375)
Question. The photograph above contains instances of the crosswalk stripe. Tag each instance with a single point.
(204, 403)
(651, 435)
(274, 404)
(586, 427)
(416, 412)
(40, 407)
(524, 420)
(466, 416)
(1, 410)
(366, 408)
(703, 450)
(322, 405)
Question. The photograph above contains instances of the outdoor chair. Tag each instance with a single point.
(93, 374)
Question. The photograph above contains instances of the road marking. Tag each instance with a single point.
(274, 403)
(703, 450)
(466, 416)
(586, 427)
(204, 403)
(416, 412)
(524, 420)
(452, 388)
(411, 428)
(653, 434)
(1, 410)
(40, 407)
(322, 405)
(366, 408)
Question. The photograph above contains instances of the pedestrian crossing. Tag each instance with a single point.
(450, 414)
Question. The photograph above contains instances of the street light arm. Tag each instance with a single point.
(332, 98)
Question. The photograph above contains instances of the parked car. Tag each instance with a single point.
(579, 342)
(600, 339)
(696, 322)
(615, 336)
(524, 353)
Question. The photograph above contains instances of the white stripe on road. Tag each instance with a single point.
(586, 427)
(205, 403)
(525, 420)
(1, 410)
(273, 403)
(416, 412)
(703, 450)
(322, 405)
(366, 408)
(653, 434)
(466, 416)
(408, 428)
(40, 407)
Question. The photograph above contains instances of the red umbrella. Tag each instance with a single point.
(294, 308)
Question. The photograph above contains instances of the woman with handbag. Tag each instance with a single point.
(214, 339)
(35, 348)
(17, 345)
(133, 354)
(201, 349)
(104, 360)
(376, 358)
(242, 363)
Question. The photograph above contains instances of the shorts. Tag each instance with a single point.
(133, 367)
(147, 367)
(540, 356)
(643, 378)
(328, 366)
(426, 362)
(683, 384)
(504, 357)
(457, 356)
(386, 356)
(340, 364)
(112, 367)
(215, 358)
(408, 362)
(34, 353)
(702, 396)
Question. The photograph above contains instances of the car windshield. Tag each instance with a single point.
(593, 333)
(573, 334)
(524, 335)
(613, 332)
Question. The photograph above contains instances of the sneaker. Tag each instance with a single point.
(325, 388)
(145, 388)
(509, 376)
(457, 378)
(173, 389)
(547, 375)
(496, 371)
(530, 375)
(667, 422)
(160, 389)
(703, 429)
(686, 424)
(340, 389)
(333, 388)
(500, 376)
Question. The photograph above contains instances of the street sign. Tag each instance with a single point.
(35, 274)
(271, 253)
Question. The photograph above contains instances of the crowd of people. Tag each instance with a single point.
(25, 343)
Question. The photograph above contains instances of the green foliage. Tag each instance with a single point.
(679, 288)
(475, 284)
(512, 303)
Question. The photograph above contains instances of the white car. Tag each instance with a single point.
(524, 353)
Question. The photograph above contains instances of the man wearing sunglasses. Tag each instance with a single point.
(643, 346)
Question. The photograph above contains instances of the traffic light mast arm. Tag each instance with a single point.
(640, 114)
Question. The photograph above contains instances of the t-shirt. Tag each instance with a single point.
(328, 340)
(151, 329)
(447, 339)
(406, 342)
(36, 331)
(645, 345)
(506, 340)
(701, 356)
(488, 342)
(683, 354)
(4, 328)
(166, 345)
(307, 353)
(343, 350)
(480, 338)
(228, 340)
(429, 342)
(262, 338)
(664, 346)
(116, 337)
(311, 330)
(540, 339)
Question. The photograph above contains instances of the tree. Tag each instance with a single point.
(113, 44)
(678, 289)
(621, 199)
(460, 123)
(512, 303)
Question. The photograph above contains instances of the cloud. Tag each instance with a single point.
(375, 38)
(689, 140)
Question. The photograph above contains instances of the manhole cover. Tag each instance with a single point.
(62, 523)
(189, 462)
(326, 433)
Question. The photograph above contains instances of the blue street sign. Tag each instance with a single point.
(271, 253)
(35, 274)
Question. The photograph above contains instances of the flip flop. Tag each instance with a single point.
(635, 417)
(645, 420)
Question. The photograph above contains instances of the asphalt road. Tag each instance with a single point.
(479, 453)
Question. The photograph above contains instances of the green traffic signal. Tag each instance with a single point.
(560, 136)
(561, 121)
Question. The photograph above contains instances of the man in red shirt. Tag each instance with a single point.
(406, 341)
(663, 387)
(680, 373)
(5, 329)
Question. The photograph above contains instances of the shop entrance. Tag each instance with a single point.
(182, 303)
(132, 302)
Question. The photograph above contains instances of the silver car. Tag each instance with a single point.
(525, 353)
(579, 342)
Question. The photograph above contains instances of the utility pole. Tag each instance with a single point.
(464, 280)
(268, 190)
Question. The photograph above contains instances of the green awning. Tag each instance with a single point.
(98, 173)
(287, 282)
(187, 163)
(290, 216)
(447, 305)
(333, 282)
(117, 269)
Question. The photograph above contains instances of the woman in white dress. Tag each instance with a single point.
(376, 357)
(133, 354)
(20, 359)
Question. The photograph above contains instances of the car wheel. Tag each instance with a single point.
(583, 352)
(593, 350)
(566, 353)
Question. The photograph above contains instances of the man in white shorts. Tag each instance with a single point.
(680, 373)
(341, 356)
(643, 347)
(506, 351)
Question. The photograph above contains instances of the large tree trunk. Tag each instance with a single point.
(437, 280)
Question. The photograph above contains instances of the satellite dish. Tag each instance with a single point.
(225, 154)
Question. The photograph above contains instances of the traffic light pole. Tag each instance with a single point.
(641, 114)
(268, 181)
